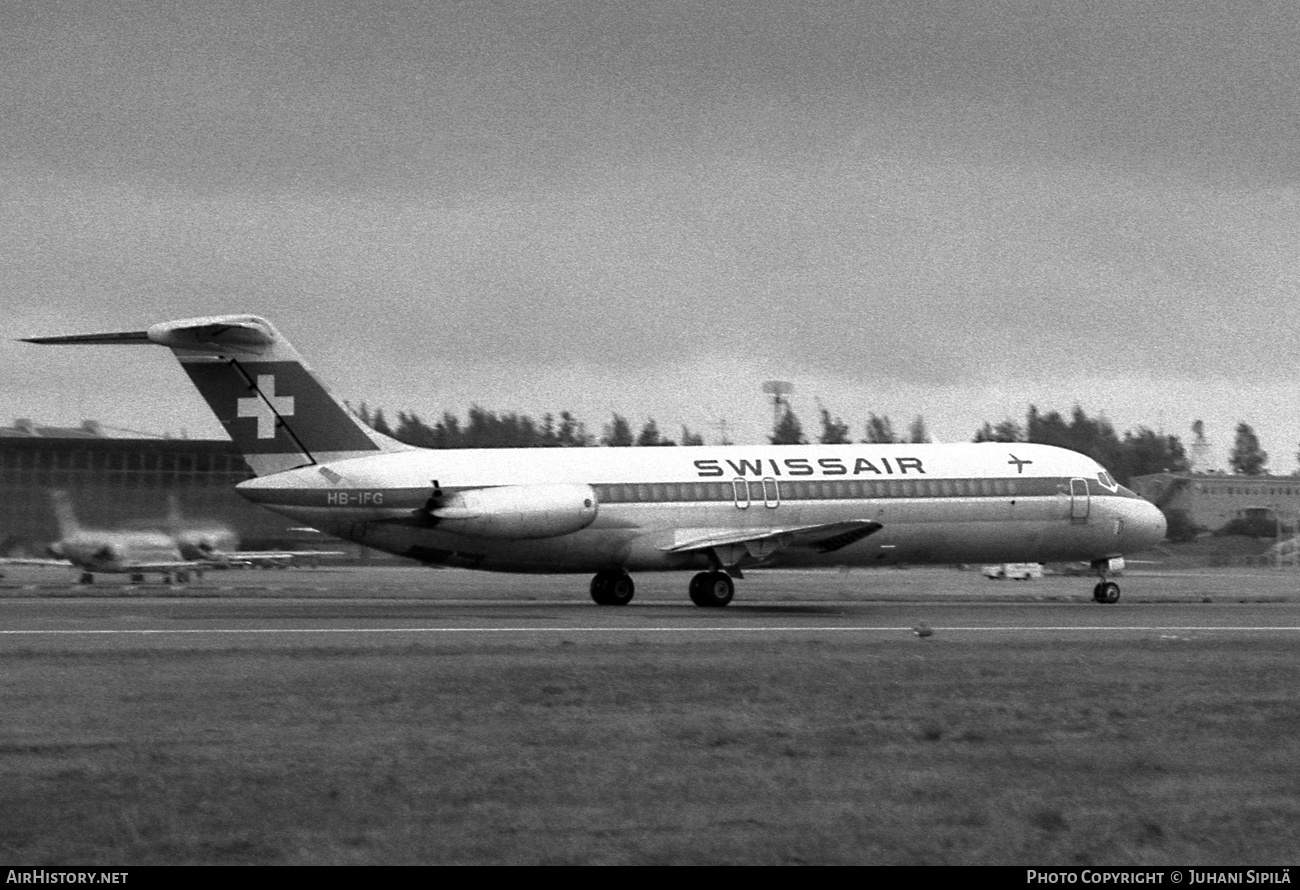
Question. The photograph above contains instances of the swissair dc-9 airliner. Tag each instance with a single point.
(716, 511)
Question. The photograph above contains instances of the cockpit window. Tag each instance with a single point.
(1105, 479)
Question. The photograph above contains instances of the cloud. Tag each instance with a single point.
(892, 198)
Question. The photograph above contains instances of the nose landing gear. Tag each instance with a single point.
(1105, 591)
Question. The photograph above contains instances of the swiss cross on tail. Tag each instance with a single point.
(266, 407)
(276, 407)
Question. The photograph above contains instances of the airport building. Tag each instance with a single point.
(1212, 500)
(120, 483)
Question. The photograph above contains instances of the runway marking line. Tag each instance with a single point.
(690, 629)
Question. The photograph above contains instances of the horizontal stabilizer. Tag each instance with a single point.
(124, 338)
(216, 334)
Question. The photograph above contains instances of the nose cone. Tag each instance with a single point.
(1144, 525)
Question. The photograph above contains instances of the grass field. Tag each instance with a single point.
(1146, 750)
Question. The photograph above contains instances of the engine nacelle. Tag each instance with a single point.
(518, 511)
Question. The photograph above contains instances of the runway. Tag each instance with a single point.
(376, 608)
(491, 716)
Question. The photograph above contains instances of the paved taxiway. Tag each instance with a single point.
(374, 608)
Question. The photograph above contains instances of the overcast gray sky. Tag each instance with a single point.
(946, 209)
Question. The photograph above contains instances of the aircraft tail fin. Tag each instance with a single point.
(65, 515)
(278, 412)
(174, 518)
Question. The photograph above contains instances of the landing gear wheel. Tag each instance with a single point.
(612, 588)
(697, 585)
(86, 578)
(137, 578)
(1106, 592)
(712, 589)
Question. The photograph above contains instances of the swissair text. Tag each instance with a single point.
(802, 466)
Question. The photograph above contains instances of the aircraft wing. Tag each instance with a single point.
(253, 557)
(760, 543)
(119, 568)
(179, 565)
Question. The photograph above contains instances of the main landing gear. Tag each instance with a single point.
(612, 588)
(1105, 591)
(712, 589)
(708, 589)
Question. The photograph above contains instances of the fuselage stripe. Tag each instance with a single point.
(739, 490)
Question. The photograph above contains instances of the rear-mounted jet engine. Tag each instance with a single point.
(516, 511)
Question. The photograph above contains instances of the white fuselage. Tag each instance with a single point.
(987, 502)
(107, 551)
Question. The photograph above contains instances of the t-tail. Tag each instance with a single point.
(275, 409)
(65, 515)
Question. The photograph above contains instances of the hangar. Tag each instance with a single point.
(126, 482)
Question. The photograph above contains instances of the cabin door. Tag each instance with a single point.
(1079, 501)
(740, 490)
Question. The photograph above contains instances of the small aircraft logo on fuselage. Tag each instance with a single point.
(1020, 464)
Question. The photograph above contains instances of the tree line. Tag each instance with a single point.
(1134, 453)
(488, 429)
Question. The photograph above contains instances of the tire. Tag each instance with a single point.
(612, 588)
(599, 587)
(716, 592)
(1108, 592)
(621, 590)
(698, 583)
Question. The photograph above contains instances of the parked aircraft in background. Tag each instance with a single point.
(216, 543)
(610, 511)
(101, 551)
